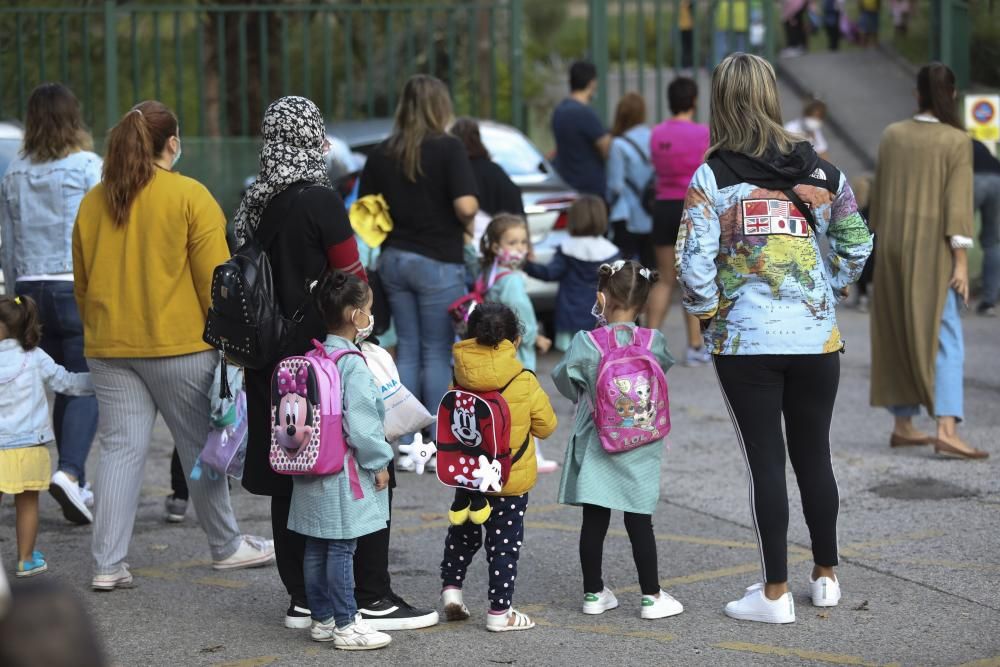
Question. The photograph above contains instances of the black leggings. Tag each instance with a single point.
(760, 390)
(640, 534)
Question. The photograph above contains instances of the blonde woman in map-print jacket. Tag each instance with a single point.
(752, 270)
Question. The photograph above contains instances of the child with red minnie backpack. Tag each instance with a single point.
(614, 456)
(329, 509)
(485, 363)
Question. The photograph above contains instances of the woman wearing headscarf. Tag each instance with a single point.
(145, 245)
(757, 217)
(292, 210)
(921, 206)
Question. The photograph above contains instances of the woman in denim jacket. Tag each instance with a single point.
(41, 193)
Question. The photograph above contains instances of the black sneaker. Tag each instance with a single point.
(298, 617)
(394, 613)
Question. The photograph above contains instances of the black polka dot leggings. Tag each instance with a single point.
(504, 540)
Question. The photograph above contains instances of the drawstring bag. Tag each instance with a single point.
(404, 414)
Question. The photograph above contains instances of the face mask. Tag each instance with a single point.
(178, 155)
(812, 124)
(510, 258)
(365, 332)
(597, 310)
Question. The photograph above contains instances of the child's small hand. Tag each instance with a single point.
(543, 343)
(381, 479)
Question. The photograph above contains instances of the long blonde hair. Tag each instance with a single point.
(746, 111)
(424, 110)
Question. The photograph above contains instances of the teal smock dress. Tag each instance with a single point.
(324, 506)
(629, 481)
(512, 291)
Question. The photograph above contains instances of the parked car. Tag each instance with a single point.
(10, 143)
(546, 197)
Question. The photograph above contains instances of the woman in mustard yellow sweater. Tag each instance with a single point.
(145, 244)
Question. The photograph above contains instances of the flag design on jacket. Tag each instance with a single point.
(773, 216)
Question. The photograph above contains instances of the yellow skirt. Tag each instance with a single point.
(25, 469)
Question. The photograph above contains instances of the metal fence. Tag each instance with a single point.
(219, 66)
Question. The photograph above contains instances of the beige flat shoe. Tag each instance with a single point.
(948, 450)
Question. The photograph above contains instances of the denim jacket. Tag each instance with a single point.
(24, 409)
(628, 173)
(38, 206)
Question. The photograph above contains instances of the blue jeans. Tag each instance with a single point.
(987, 194)
(948, 391)
(420, 290)
(328, 567)
(74, 418)
(721, 42)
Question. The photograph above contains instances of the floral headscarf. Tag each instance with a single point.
(294, 139)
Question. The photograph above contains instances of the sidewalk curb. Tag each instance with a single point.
(800, 89)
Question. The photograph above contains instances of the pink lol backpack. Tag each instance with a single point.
(631, 407)
(307, 434)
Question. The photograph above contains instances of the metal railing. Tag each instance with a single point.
(219, 66)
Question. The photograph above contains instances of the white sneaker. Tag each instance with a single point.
(67, 494)
(697, 356)
(825, 591)
(87, 495)
(405, 464)
(454, 607)
(122, 578)
(253, 552)
(322, 632)
(660, 607)
(359, 636)
(546, 465)
(297, 618)
(598, 603)
(503, 623)
(754, 606)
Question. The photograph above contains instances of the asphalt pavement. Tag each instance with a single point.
(919, 538)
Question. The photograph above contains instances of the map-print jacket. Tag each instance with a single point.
(749, 261)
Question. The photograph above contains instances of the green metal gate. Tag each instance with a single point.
(220, 65)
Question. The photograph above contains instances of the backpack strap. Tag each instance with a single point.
(631, 142)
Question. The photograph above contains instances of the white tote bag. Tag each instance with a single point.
(404, 414)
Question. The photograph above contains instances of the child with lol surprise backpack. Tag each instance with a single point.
(615, 374)
(503, 250)
(333, 510)
(26, 372)
(487, 371)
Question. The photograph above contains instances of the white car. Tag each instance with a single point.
(11, 137)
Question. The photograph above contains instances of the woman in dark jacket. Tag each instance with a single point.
(497, 193)
(294, 212)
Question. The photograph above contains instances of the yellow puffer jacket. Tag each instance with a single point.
(482, 368)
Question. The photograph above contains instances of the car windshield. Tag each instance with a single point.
(512, 151)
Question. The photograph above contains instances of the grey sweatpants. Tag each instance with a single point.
(130, 392)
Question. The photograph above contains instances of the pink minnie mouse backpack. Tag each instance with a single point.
(307, 435)
(631, 407)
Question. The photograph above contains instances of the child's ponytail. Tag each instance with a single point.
(20, 317)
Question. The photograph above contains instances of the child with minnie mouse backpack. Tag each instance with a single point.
(487, 426)
(615, 375)
(334, 500)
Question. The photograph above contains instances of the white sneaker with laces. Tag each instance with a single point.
(67, 493)
(660, 606)
(252, 552)
(512, 621)
(359, 636)
(121, 578)
(405, 464)
(825, 591)
(87, 495)
(754, 606)
(598, 603)
(454, 607)
(322, 632)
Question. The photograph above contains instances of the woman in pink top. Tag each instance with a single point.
(678, 148)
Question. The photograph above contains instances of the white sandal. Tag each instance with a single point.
(502, 623)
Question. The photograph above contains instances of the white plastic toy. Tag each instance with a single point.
(419, 452)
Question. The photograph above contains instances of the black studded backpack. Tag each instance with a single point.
(245, 321)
